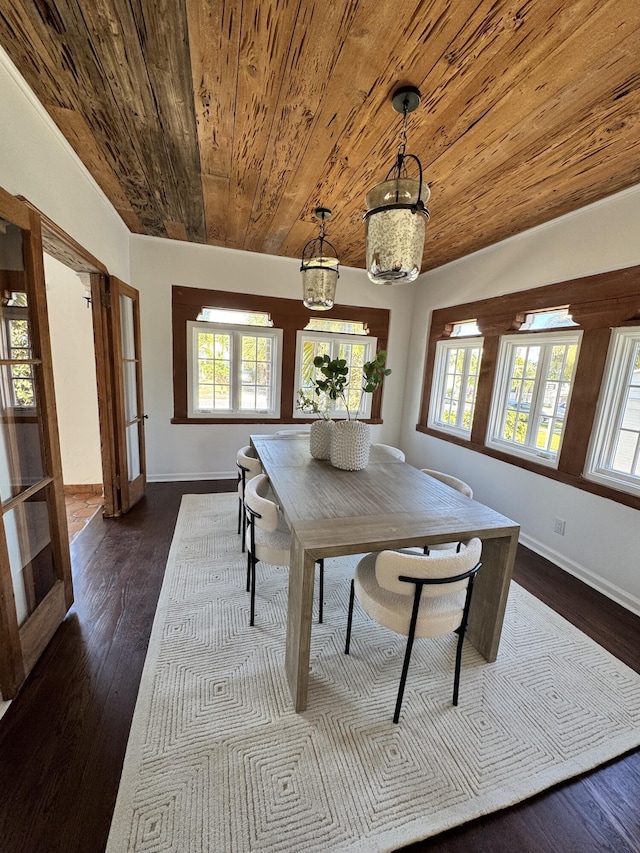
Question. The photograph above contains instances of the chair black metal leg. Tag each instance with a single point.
(407, 654)
(239, 513)
(321, 591)
(403, 677)
(248, 572)
(349, 618)
(456, 679)
(462, 630)
(244, 528)
(253, 590)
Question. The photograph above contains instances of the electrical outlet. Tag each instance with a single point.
(559, 525)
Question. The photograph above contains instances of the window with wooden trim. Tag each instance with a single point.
(533, 386)
(614, 457)
(455, 384)
(537, 402)
(355, 350)
(190, 304)
(233, 370)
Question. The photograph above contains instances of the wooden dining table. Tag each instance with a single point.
(389, 504)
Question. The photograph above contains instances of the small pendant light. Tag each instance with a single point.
(396, 216)
(320, 269)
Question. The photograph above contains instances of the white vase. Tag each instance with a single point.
(320, 439)
(350, 445)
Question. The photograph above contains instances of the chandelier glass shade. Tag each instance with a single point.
(320, 269)
(396, 217)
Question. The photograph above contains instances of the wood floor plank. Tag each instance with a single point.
(62, 741)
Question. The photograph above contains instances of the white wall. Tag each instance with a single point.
(74, 371)
(203, 451)
(601, 539)
(37, 162)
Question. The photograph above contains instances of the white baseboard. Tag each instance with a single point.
(620, 596)
(183, 478)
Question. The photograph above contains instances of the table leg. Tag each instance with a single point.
(490, 594)
(299, 615)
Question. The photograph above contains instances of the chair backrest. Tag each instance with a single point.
(450, 480)
(267, 513)
(391, 564)
(393, 451)
(246, 460)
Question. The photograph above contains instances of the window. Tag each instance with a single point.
(455, 384)
(16, 345)
(253, 314)
(531, 394)
(356, 350)
(233, 370)
(614, 457)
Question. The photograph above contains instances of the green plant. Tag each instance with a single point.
(307, 403)
(335, 378)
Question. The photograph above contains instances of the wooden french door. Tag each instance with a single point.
(35, 567)
(129, 409)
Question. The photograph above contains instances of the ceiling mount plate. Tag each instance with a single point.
(323, 213)
(406, 98)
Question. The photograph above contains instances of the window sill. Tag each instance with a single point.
(578, 482)
(264, 422)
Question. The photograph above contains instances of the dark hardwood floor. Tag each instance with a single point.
(62, 741)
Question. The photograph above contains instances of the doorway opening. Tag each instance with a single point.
(74, 375)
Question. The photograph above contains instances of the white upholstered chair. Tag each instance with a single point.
(459, 486)
(392, 451)
(417, 595)
(268, 540)
(248, 466)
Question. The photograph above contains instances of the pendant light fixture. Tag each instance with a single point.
(395, 221)
(320, 269)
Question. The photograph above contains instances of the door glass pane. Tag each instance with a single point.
(28, 534)
(133, 452)
(21, 463)
(126, 327)
(130, 391)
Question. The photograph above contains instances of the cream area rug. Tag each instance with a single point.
(218, 761)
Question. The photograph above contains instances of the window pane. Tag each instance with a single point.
(615, 456)
(538, 380)
(133, 452)
(21, 462)
(232, 317)
(31, 558)
(213, 371)
(455, 397)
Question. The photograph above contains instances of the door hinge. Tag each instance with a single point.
(105, 299)
(116, 481)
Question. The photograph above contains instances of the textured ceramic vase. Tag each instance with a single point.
(350, 445)
(320, 436)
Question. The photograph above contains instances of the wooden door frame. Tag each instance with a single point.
(61, 246)
(23, 644)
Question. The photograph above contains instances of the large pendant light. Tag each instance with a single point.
(395, 221)
(320, 269)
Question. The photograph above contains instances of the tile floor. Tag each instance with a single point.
(82, 503)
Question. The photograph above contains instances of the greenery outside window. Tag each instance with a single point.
(455, 384)
(534, 379)
(233, 370)
(356, 350)
(614, 457)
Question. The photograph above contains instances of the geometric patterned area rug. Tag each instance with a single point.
(217, 759)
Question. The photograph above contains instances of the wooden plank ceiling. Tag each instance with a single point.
(229, 121)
